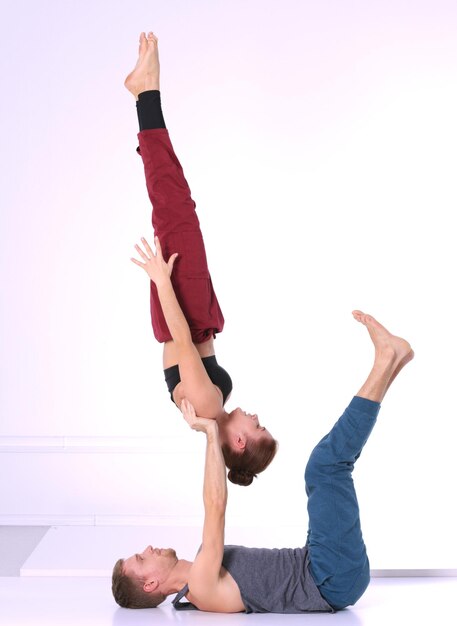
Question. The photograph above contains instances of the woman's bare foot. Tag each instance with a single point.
(392, 353)
(146, 73)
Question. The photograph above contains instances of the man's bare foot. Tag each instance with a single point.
(392, 353)
(387, 346)
(146, 73)
(406, 359)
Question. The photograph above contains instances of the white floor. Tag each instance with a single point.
(68, 601)
(66, 581)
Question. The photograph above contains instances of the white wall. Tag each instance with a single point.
(319, 142)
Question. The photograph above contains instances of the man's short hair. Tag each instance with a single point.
(129, 593)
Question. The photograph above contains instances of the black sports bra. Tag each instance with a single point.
(217, 374)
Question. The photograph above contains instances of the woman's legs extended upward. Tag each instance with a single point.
(174, 218)
(339, 563)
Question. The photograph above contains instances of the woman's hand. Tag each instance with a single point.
(154, 265)
(201, 424)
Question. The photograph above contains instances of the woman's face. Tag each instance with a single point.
(246, 423)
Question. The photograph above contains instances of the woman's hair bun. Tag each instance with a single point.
(241, 477)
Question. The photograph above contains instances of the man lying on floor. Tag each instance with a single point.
(329, 573)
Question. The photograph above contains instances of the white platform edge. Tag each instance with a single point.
(413, 573)
(62, 573)
(99, 520)
(178, 521)
(94, 519)
(95, 445)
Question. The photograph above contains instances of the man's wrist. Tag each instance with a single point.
(212, 431)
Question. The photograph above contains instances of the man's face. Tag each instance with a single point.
(151, 564)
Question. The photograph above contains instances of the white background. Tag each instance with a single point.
(319, 140)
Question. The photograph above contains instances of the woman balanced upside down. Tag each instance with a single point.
(185, 312)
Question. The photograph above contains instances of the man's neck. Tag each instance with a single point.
(179, 577)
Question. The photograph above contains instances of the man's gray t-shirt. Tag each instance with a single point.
(274, 580)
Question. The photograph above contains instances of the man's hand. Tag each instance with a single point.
(154, 265)
(196, 423)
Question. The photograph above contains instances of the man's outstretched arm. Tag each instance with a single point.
(209, 590)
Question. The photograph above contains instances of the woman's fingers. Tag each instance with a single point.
(154, 263)
(141, 253)
(158, 247)
(137, 262)
(171, 261)
(147, 247)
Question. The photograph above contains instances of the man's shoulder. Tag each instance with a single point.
(222, 597)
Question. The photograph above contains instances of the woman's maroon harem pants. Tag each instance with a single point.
(176, 225)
